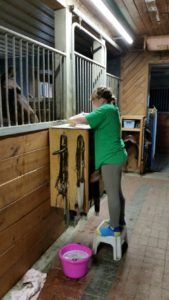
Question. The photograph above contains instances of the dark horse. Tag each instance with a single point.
(21, 108)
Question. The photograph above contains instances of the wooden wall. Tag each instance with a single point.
(134, 90)
(28, 225)
(134, 84)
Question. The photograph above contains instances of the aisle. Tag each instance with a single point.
(143, 272)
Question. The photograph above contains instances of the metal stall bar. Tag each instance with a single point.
(53, 76)
(90, 85)
(44, 86)
(81, 66)
(49, 83)
(78, 82)
(14, 74)
(85, 86)
(84, 83)
(113, 82)
(34, 74)
(6, 80)
(77, 86)
(1, 116)
(39, 88)
(27, 77)
(21, 78)
(62, 86)
(56, 78)
(60, 80)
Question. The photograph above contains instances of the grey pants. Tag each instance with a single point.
(116, 203)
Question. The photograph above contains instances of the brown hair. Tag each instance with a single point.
(102, 92)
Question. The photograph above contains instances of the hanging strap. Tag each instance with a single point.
(61, 182)
(62, 179)
(80, 159)
(80, 173)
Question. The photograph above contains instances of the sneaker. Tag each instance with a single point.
(108, 231)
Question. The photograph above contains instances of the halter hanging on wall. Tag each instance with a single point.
(80, 149)
(62, 179)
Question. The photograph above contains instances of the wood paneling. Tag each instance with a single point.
(134, 91)
(15, 189)
(33, 252)
(28, 225)
(14, 212)
(21, 164)
(134, 84)
(17, 145)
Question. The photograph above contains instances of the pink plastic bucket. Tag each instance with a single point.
(75, 259)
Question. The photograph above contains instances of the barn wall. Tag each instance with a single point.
(28, 225)
(134, 84)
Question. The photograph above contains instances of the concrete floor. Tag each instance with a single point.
(143, 271)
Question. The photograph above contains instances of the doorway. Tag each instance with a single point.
(159, 100)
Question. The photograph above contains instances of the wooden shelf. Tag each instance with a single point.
(132, 117)
(134, 164)
(131, 129)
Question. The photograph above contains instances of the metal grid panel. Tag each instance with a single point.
(32, 80)
(89, 75)
(113, 82)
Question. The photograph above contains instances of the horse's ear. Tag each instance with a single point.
(10, 74)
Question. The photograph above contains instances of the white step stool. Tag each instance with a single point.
(115, 241)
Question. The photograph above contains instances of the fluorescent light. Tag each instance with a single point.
(111, 18)
(77, 12)
(62, 2)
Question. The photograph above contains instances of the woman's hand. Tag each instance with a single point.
(78, 119)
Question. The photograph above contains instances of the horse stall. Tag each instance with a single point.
(32, 78)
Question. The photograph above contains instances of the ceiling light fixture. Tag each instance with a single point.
(112, 19)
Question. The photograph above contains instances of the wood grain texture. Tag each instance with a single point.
(22, 207)
(19, 165)
(17, 145)
(43, 240)
(22, 185)
(135, 80)
(28, 224)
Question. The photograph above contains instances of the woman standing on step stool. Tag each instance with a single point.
(110, 154)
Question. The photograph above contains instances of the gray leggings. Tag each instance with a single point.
(116, 203)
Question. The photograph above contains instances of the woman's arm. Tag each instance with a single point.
(79, 119)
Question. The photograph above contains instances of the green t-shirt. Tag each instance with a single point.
(109, 147)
